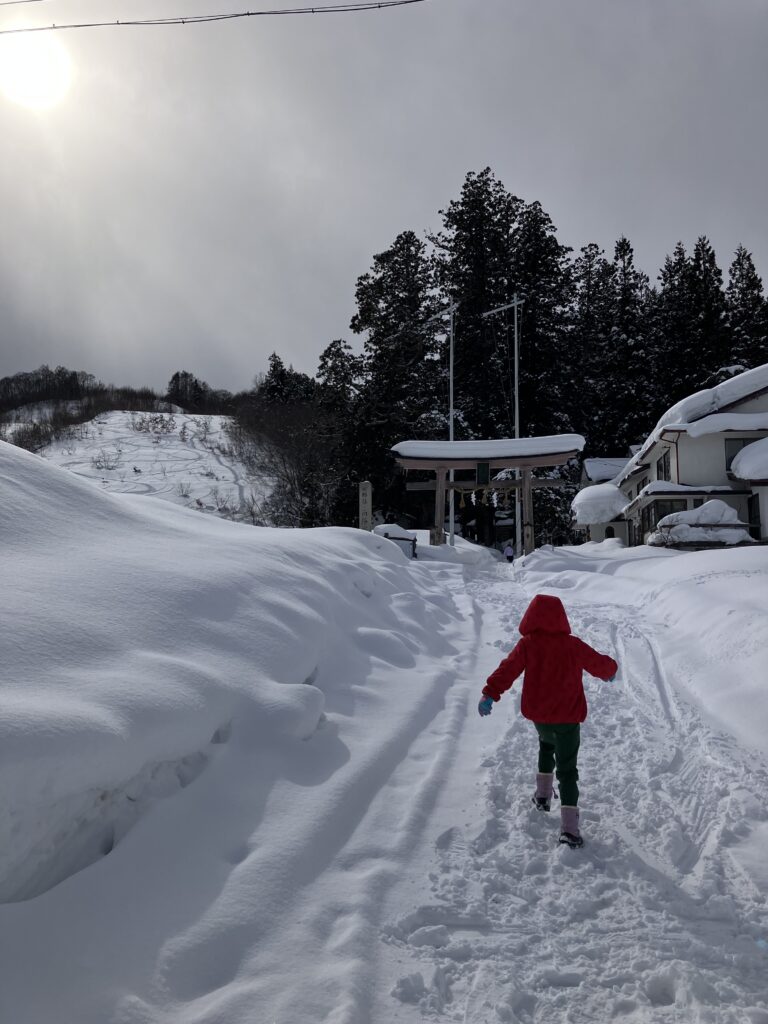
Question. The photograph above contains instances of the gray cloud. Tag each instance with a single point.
(209, 194)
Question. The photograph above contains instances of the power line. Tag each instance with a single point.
(194, 19)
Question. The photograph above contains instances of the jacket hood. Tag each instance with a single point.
(545, 615)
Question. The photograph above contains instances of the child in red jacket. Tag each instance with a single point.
(553, 699)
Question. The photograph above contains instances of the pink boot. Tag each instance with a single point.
(543, 796)
(569, 827)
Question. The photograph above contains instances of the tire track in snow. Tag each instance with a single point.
(654, 921)
(352, 836)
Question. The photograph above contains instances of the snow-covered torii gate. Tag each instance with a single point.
(486, 459)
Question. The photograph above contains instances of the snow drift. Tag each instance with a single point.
(135, 633)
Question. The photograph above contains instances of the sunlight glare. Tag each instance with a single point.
(35, 70)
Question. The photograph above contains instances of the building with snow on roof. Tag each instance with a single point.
(711, 445)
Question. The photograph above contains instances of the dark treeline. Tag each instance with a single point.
(603, 352)
(70, 396)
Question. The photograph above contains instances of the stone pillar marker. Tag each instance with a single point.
(365, 517)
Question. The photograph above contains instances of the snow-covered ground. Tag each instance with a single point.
(273, 735)
(181, 458)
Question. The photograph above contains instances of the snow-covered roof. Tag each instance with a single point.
(491, 451)
(751, 463)
(668, 487)
(502, 448)
(600, 469)
(600, 503)
(699, 405)
(703, 403)
(718, 422)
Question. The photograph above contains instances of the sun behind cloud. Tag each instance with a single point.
(35, 70)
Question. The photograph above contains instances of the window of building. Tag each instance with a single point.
(662, 466)
(753, 506)
(698, 502)
(656, 510)
(733, 446)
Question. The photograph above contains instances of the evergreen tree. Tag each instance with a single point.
(186, 390)
(629, 397)
(708, 336)
(338, 374)
(541, 272)
(397, 310)
(283, 385)
(747, 312)
(474, 267)
(671, 314)
(591, 344)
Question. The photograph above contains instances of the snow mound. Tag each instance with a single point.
(713, 522)
(711, 513)
(751, 463)
(138, 634)
(600, 503)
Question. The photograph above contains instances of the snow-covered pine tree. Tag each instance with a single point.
(671, 314)
(339, 376)
(747, 312)
(708, 336)
(630, 392)
(542, 273)
(397, 310)
(591, 347)
(474, 267)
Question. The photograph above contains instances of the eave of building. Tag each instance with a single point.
(518, 462)
(691, 492)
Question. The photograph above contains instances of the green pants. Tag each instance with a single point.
(558, 751)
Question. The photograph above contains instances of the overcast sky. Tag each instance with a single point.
(208, 194)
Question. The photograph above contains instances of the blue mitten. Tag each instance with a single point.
(485, 706)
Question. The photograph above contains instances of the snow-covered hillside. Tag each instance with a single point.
(244, 778)
(179, 457)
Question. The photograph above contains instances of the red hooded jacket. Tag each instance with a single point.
(553, 660)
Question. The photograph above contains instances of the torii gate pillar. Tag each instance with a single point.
(527, 489)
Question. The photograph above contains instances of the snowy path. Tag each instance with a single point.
(662, 917)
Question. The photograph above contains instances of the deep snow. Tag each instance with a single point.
(182, 458)
(273, 735)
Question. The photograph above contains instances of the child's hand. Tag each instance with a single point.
(485, 706)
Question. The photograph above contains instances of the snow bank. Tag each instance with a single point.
(137, 634)
(599, 503)
(751, 463)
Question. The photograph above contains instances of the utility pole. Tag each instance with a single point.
(451, 494)
(517, 300)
